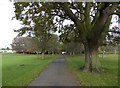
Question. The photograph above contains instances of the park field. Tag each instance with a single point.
(108, 78)
(20, 69)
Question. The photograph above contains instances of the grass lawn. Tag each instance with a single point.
(109, 78)
(13, 74)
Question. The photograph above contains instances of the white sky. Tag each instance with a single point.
(7, 25)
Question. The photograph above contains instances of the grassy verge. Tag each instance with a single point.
(19, 69)
(109, 78)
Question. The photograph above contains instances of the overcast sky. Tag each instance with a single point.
(7, 25)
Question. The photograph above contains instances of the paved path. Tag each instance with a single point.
(56, 74)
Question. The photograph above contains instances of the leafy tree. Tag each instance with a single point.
(47, 42)
(89, 22)
(73, 47)
(112, 40)
(17, 45)
(24, 44)
(7, 48)
(53, 44)
(113, 36)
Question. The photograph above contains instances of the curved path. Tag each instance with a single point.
(56, 74)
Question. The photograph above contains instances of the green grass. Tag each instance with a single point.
(109, 55)
(109, 78)
(16, 75)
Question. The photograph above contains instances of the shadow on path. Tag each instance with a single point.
(56, 74)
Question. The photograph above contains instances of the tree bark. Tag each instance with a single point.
(37, 53)
(92, 62)
(70, 53)
(88, 64)
(42, 55)
(73, 53)
(115, 50)
(102, 54)
(52, 52)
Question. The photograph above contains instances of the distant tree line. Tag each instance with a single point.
(35, 45)
(32, 45)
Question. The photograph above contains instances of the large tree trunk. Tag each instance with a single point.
(92, 62)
